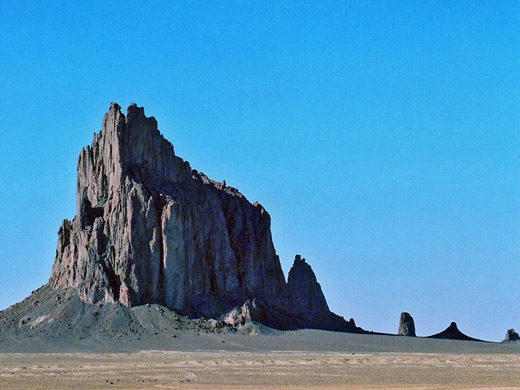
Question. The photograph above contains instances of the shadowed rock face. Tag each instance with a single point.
(511, 335)
(406, 325)
(305, 290)
(148, 229)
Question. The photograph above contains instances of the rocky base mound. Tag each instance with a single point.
(59, 318)
(452, 332)
(51, 320)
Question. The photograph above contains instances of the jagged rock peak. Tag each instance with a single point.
(304, 289)
(406, 325)
(301, 270)
(149, 229)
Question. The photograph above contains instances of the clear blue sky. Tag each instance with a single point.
(383, 137)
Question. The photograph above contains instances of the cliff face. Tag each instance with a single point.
(148, 229)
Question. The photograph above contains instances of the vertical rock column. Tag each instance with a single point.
(406, 325)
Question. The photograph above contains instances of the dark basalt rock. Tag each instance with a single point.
(304, 290)
(512, 336)
(452, 332)
(406, 325)
(304, 305)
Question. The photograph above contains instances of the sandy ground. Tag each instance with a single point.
(246, 370)
(307, 359)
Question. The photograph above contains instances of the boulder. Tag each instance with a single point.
(241, 318)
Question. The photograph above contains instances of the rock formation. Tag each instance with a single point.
(406, 325)
(302, 283)
(452, 332)
(149, 229)
(512, 336)
(241, 318)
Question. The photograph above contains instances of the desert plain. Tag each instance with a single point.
(305, 359)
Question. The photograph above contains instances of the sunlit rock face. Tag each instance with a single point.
(149, 229)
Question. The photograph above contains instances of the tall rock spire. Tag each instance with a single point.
(406, 325)
(149, 229)
(304, 289)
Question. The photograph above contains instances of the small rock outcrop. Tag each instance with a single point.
(452, 332)
(512, 336)
(406, 325)
(241, 318)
